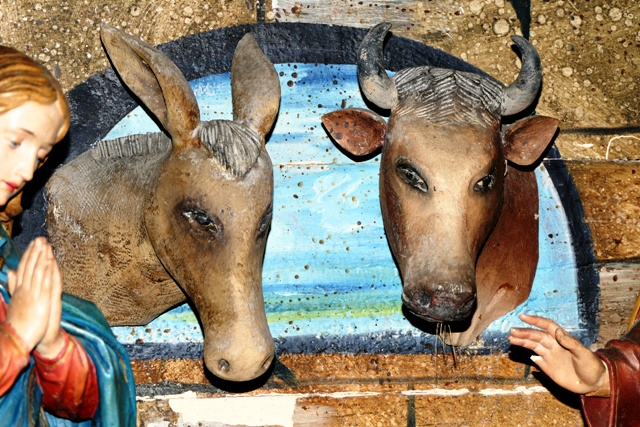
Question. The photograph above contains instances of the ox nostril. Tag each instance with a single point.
(419, 302)
(423, 299)
(224, 366)
(441, 305)
(468, 305)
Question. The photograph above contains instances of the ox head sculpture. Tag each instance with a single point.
(141, 221)
(444, 178)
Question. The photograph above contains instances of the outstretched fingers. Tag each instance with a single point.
(541, 341)
(561, 356)
(543, 323)
(572, 344)
(553, 334)
(532, 339)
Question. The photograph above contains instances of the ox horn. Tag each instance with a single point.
(523, 91)
(374, 81)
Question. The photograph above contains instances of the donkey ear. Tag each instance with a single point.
(526, 140)
(156, 80)
(255, 87)
(358, 131)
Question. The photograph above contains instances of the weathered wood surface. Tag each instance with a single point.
(610, 195)
(619, 290)
(532, 409)
(337, 390)
(408, 16)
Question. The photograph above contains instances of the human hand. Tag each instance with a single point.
(561, 356)
(53, 340)
(30, 289)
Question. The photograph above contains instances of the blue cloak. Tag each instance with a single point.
(21, 404)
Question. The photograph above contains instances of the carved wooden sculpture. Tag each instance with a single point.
(143, 222)
(60, 364)
(461, 222)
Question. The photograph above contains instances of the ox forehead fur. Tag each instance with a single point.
(234, 146)
(448, 96)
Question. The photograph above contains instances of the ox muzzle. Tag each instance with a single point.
(440, 302)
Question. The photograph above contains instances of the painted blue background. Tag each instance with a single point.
(328, 271)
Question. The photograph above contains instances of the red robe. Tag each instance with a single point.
(68, 381)
(622, 407)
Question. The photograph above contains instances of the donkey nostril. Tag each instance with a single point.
(224, 366)
(267, 363)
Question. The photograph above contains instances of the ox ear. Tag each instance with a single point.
(255, 86)
(155, 79)
(526, 140)
(358, 131)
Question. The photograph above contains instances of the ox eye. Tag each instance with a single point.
(411, 176)
(486, 184)
(265, 223)
(202, 222)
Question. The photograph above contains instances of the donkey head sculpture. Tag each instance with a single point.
(143, 222)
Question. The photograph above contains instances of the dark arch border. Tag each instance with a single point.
(101, 102)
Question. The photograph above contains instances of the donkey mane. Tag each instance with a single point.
(447, 96)
(132, 146)
(236, 147)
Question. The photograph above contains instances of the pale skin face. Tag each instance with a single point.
(27, 135)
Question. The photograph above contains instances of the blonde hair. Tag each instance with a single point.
(22, 80)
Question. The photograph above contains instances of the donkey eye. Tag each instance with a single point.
(265, 223)
(202, 222)
(486, 184)
(408, 173)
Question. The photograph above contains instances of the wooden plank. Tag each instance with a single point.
(619, 289)
(384, 409)
(537, 409)
(406, 15)
(530, 407)
(615, 144)
(610, 195)
(330, 373)
(364, 390)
